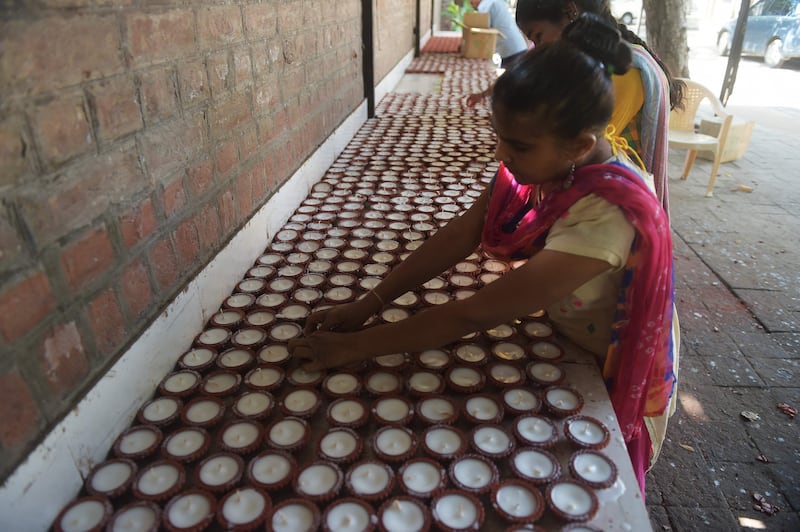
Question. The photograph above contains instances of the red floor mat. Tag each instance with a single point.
(442, 45)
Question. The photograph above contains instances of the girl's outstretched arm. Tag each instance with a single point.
(446, 247)
(546, 278)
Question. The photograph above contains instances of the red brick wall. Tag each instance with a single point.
(393, 34)
(135, 139)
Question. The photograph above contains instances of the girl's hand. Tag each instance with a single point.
(342, 318)
(323, 350)
(475, 98)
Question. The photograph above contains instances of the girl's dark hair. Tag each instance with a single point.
(555, 11)
(566, 84)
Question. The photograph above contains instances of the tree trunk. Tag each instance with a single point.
(666, 33)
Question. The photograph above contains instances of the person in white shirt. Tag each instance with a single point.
(512, 43)
(510, 46)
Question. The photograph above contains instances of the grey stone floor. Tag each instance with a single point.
(738, 297)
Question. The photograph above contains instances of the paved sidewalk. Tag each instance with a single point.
(738, 296)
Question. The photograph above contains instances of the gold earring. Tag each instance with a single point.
(570, 178)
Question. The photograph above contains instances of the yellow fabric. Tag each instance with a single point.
(628, 98)
(593, 228)
(619, 145)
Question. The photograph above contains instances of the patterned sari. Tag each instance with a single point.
(647, 132)
(638, 369)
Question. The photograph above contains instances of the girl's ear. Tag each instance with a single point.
(582, 145)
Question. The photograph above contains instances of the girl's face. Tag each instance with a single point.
(543, 31)
(533, 157)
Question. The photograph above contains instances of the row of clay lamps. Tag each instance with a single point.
(228, 441)
(280, 445)
(442, 63)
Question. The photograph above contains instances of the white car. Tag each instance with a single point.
(626, 11)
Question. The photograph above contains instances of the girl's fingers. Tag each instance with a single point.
(300, 347)
(329, 324)
(313, 321)
(303, 351)
(314, 364)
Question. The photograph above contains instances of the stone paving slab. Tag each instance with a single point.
(737, 286)
(732, 371)
(777, 310)
(719, 518)
(788, 479)
(778, 371)
(722, 344)
(759, 345)
(714, 441)
(737, 356)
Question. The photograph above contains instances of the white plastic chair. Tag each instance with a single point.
(682, 134)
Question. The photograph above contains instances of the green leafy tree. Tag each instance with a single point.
(455, 13)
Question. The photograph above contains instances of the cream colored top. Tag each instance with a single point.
(593, 228)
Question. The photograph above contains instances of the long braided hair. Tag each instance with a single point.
(557, 11)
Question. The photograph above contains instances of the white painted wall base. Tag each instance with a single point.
(390, 81)
(54, 472)
(425, 38)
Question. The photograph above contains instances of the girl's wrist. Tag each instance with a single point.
(372, 302)
(378, 297)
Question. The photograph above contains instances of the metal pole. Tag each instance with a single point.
(368, 59)
(417, 29)
(735, 53)
(639, 22)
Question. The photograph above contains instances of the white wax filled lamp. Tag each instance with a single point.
(370, 480)
(587, 432)
(473, 473)
(288, 433)
(394, 443)
(340, 445)
(295, 514)
(421, 477)
(203, 412)
(245, 506)
(347, 412)
(518, 501)
(491, 440)
(271, 469)
(457, 511)
(186, 444)
(348, 515)
(318, 481)
(403, 514)
(535, 465)
(219, 471)
(189, 509)
(571, 500)
(437, 410)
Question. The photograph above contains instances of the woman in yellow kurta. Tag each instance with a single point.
(643, 96)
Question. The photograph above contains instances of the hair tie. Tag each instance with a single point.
(610, 69)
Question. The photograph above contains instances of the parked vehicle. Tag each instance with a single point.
(626, 11)
(773, 32)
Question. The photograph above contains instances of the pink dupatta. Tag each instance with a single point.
(638, 368)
